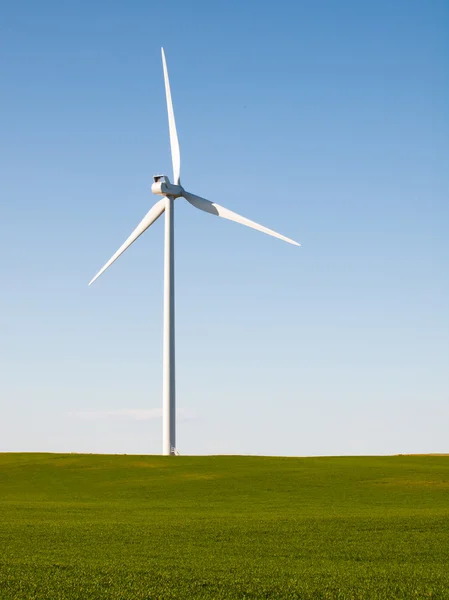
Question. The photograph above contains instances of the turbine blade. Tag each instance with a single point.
(174, 144)
(220, 211)
(151, 216)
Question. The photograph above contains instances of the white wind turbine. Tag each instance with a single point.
(169, 192)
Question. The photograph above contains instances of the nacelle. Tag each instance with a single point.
(163, 187)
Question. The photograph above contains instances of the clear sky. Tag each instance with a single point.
(326, 121)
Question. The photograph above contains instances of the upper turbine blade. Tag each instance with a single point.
(220, 211)
(174, 144)
(151, 216)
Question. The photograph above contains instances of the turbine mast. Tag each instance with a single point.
(168, 384)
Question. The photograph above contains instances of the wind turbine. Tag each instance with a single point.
(170, 192)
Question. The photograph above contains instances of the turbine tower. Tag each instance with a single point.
(170, 192)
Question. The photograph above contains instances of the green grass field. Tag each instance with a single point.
(124, 527)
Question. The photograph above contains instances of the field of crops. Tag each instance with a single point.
(145, 527)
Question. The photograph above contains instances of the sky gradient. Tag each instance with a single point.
(325, 121)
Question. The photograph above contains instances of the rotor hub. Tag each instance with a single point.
(163, 187)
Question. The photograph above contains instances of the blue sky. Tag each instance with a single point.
(325, 121)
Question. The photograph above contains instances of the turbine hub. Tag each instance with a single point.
(163, 187)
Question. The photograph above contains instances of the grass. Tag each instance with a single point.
(144, 527)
